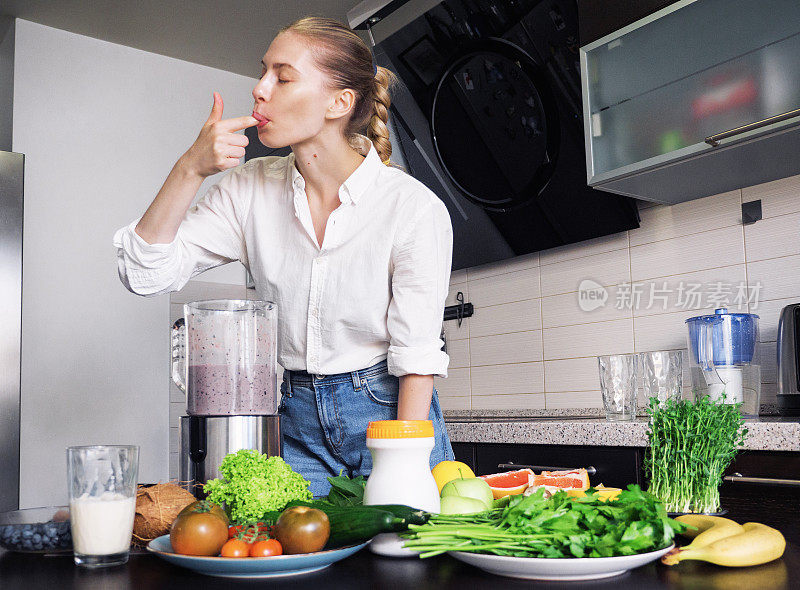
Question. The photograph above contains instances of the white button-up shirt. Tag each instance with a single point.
(373, 290)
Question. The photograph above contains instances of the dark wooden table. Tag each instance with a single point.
(368, 571)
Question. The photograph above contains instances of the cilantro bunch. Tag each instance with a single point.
(556, 527)
(253, 484)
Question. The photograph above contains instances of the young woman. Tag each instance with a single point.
(355, 253)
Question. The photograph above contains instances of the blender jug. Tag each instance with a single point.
(723, 359)
(224, 357)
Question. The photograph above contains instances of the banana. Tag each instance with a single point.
(708, 529)
(757, 544)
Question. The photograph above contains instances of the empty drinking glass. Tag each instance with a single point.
(618, 386)
(662, 374)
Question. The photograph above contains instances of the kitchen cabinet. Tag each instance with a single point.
(598, 18)
(757, 496)
(465, 452)
(615, 466)
(696, 99)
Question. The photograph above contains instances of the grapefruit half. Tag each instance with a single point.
(508, 483)
(576, 479)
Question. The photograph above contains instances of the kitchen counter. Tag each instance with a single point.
(368, 571)
(766, 434)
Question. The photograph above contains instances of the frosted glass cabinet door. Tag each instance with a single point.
(656, 90)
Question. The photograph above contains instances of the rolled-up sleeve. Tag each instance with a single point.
(210, 235)
(421, 262)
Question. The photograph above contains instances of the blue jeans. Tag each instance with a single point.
(324, 422)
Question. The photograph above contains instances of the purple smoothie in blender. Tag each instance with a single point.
(231, 390)
(229, 347)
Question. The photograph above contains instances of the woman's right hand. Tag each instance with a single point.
(218, 147)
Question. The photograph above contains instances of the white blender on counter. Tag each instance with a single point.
(723, 358)
(224, 358)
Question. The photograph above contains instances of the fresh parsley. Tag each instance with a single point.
(560, 526)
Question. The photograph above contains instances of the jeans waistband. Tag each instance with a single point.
(304, 379)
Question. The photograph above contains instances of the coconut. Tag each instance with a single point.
(156, 508)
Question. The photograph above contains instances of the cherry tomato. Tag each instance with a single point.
(250, 529)
(235, 548)
(266, 548)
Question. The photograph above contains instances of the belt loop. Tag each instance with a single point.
(288, 374)
(356, 380)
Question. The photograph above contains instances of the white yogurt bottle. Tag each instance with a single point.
(401, 473)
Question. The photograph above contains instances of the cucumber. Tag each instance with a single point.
(407, 513)
(356, 525)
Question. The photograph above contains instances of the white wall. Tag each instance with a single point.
(101, 125)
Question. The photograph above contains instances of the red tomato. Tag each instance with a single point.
(266, 548)
(301, 529)
(199, 530)
(235, 548)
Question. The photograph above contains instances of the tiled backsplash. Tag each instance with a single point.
(531, 344)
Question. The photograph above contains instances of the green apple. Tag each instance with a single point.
(461, 505)
(471, 487)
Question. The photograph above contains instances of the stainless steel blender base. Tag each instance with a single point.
(206, 440)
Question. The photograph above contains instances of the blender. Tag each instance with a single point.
(224, 358)
(723, 359)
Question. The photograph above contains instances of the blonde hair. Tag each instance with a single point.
(348, 63)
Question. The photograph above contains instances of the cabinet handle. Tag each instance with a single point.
(510, 465)
(770, 481)
(713, 140)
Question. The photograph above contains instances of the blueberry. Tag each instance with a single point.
(7, 530)
(27, 527)
(50, 530)
(27, 533)
(37, 538)
(26, 544)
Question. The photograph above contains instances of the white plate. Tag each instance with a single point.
(560, 569)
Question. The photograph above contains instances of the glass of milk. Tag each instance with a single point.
(102, 502)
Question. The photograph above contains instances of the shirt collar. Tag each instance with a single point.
(357, 183)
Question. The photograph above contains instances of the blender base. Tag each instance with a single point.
(788, 404)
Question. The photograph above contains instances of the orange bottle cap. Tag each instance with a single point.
(400, 429)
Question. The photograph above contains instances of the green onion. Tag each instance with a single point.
(690, 446)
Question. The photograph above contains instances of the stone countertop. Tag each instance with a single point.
(765, 434)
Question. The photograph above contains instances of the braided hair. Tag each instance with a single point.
(348, 63)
